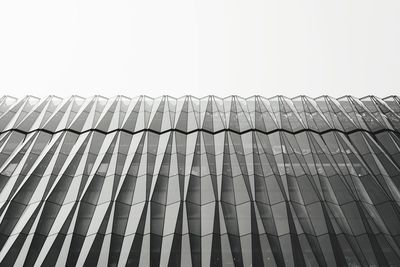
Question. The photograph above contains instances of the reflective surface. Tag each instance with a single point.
(221, 182)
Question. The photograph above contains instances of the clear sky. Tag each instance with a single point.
(200, 47)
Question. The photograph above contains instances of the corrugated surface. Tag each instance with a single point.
(210, 181)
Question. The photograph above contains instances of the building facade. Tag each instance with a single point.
(200, 182)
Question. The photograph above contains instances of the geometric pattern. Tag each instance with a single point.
(200, 181)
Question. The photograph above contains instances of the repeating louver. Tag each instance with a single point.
(200, 181)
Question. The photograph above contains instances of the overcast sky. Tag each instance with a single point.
(179, 47)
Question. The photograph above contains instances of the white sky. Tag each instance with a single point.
(201, 47)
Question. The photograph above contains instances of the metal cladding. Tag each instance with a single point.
(200, 181)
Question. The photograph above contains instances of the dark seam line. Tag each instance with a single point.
(201, 130)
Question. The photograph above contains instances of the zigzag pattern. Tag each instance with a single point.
(188, 114)
(210, 181)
